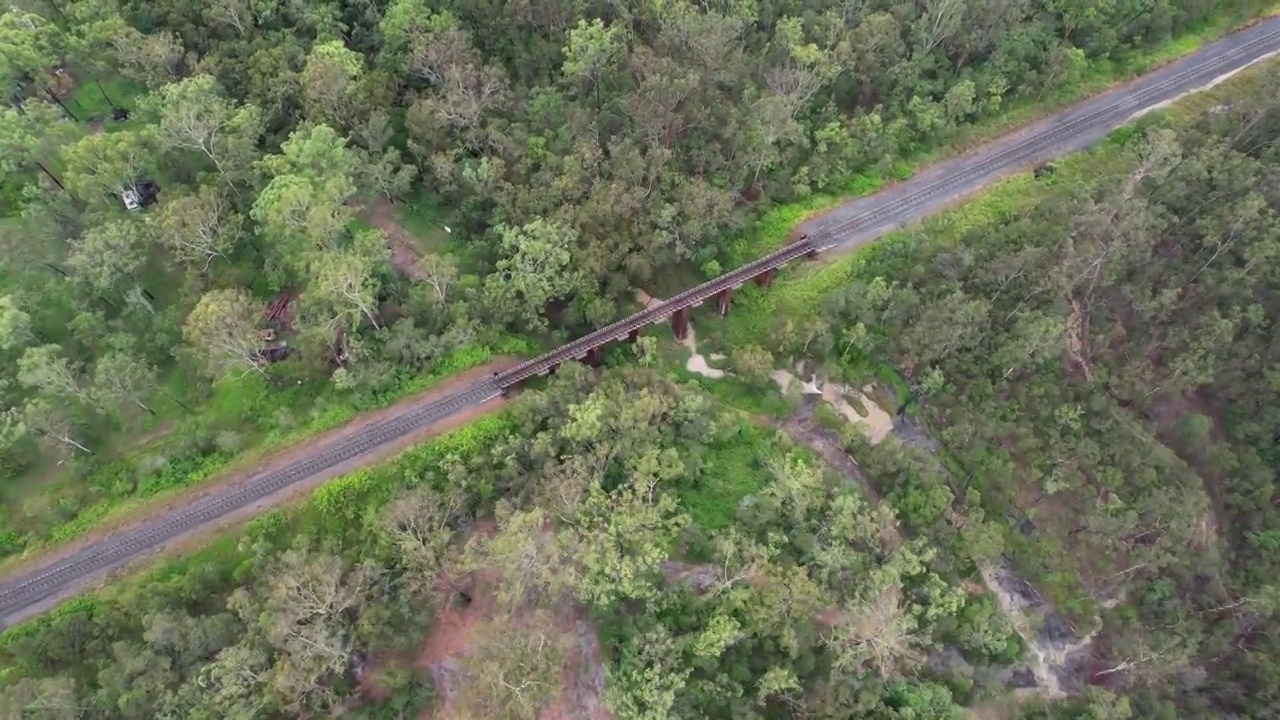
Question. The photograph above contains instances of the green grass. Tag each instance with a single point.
(732, 469)
(266, 418)
(87, 102)
(425, 217)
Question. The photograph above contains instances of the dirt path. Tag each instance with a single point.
(237, 477)
(403, 246)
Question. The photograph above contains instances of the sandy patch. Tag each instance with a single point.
(876, 423)
(696, 363)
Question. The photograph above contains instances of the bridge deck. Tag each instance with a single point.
(657, 313)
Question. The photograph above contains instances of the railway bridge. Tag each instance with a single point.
(24, 595)
(674, 310)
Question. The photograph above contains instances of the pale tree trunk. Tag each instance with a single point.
(68, 440)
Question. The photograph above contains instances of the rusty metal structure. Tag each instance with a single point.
(675, 310)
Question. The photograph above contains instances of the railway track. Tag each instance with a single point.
(1093, 117)
(648, 316)
(1070, 129)
(25, 590)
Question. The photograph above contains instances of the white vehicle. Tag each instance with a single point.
(139, 194)
(132, 201)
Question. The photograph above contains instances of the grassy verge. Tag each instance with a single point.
(336, 512)
(126, 495)
(797, 297)
(778, 222)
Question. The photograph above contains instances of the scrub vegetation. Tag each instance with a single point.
(347, 201)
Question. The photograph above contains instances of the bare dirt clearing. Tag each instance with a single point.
(405, 248)
(456, 629)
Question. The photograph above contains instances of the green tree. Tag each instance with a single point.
(332, 84)
(31, 138)
(222, 333)
(591, 52)
(15, 324)
(621, 537)
(54, 426)
(536, 267)
(101, 167)
(28, 46)
(512, 671)
(194, 115)
(121, 381)
(107, 255)
(48, 698)
(419, 525)
(306, 611)
(752, 362)
(533, 568)
(198, 228)
(304, 206)
(46, 368)
(344, 286)
(387, 174)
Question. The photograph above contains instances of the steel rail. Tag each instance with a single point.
(653, 314)
(1078, 120)
(20, 593)
(39, 584)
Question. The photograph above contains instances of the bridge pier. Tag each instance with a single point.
(633, 336)
(722, 301)
(764, 279)
(594, 357)
(680, 323)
